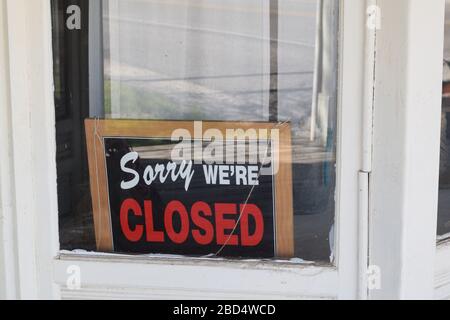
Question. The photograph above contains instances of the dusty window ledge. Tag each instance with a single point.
(163, 259)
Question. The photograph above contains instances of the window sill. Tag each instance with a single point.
(106, 276)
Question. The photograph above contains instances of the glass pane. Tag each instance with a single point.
(225, 61)
(71, 76)
(443, 229)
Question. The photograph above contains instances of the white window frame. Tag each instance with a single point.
(32, 265)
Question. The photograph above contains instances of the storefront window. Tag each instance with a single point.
(221, 64)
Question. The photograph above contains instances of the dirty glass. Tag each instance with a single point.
(220, 63)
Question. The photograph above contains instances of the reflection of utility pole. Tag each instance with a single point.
(273, 95)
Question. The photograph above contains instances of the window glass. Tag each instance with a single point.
(443, 229)
(220, 62)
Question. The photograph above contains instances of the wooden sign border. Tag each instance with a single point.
(97, 129)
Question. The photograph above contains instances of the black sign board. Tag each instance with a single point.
(144, 201)
(232, 218)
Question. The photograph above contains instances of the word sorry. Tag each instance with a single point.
(163, 172)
